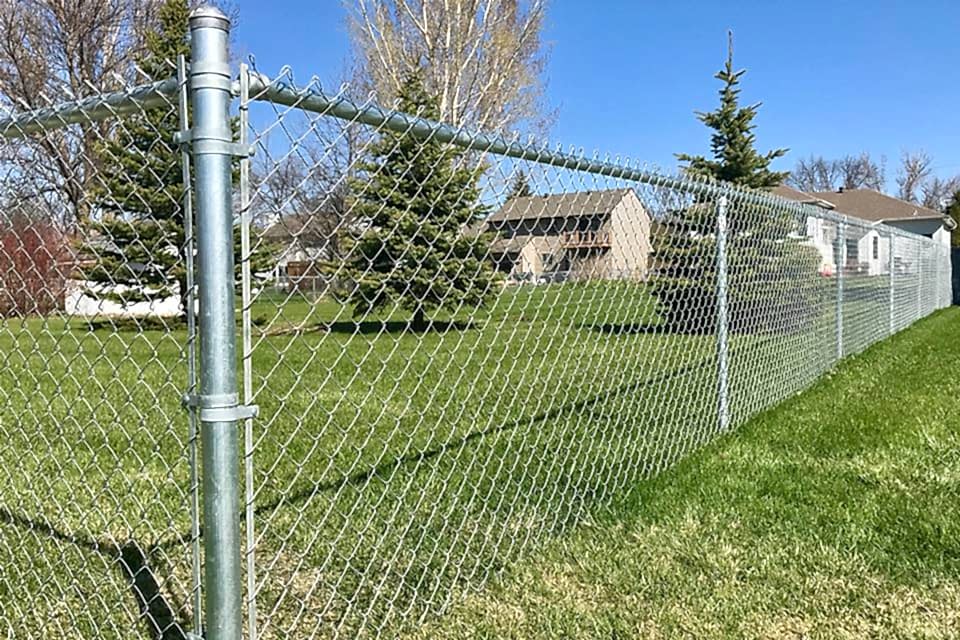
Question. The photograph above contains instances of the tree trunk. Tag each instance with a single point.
(419, 320)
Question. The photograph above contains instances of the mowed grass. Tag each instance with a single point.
(834, 515)
(396, 471)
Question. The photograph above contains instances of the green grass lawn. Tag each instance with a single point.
(396, 472)
(835, 515)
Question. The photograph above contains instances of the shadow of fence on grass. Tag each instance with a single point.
(164, 621)
(385, 469)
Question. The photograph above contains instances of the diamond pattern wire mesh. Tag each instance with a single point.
(397, 463)
(96, 483)
(574, 342)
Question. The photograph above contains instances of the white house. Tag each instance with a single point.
(867, 249)
(93, 299)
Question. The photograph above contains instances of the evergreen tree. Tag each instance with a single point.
(137, 236)
(735, 159)
(953, 210)
(520, 187)
(769, 271)
(419, 201)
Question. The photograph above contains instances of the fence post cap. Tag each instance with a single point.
(208, 16)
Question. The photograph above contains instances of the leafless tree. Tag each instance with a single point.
(484, 59)
(56, 50)
(814, 174)
(937, 192)
(849, 172)
(305, 192)
(862, 172)
(915, 169)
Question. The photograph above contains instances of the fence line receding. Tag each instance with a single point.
(451, 347)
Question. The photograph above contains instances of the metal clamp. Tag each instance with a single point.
(219, 408)
(213, 146)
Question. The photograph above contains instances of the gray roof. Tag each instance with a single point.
(560, 205)
(874, 206)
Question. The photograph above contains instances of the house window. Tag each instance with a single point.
(876, 247)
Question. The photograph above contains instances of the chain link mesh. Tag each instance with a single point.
(466, 344)
(461, 347)
(96, 489)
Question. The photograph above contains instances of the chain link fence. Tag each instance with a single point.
(460, 346)
(98, 500)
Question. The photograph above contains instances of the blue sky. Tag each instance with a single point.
(835, 77)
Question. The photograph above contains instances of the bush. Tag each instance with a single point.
(33, 258)
(772, 280)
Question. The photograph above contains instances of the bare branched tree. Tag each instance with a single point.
(915, 169)
(862, 172)
(938, 192)
(484, 59)
(303, 197)
(56, 50)
(814, 174)
(849, 172)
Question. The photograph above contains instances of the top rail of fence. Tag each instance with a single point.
(282, 90)
(90, 109)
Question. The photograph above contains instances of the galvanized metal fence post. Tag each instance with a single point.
(890, 267)
(212, 148)
(723, 388)
(841, 259)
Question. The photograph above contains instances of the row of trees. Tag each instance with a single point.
(915, 179)
(119, 186)
(395, 228)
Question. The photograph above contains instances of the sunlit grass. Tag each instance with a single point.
(395, 470)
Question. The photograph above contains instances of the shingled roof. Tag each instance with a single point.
(874, 206)
(560, 205)
(796, 195)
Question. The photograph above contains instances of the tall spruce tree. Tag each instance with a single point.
(520, 186)
(766, 263)
(137, 238)
(735, 159)
(953, 210)
(419, 201)
(137, 235)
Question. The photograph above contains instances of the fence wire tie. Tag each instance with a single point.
(219, 407)
(213, 146)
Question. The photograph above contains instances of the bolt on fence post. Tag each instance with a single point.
(723, 400)
(841, 259)
(212, 149)
(890, 266)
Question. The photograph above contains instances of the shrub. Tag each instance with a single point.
(33, 264)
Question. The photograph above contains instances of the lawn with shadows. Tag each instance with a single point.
(396, 471)
(834, 515)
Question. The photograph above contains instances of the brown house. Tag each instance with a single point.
(580, 235)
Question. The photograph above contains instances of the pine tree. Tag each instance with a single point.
(520, 187)
(735, 159)
(138, 238)
(767, 267)
(419, 201)
(137, 235)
